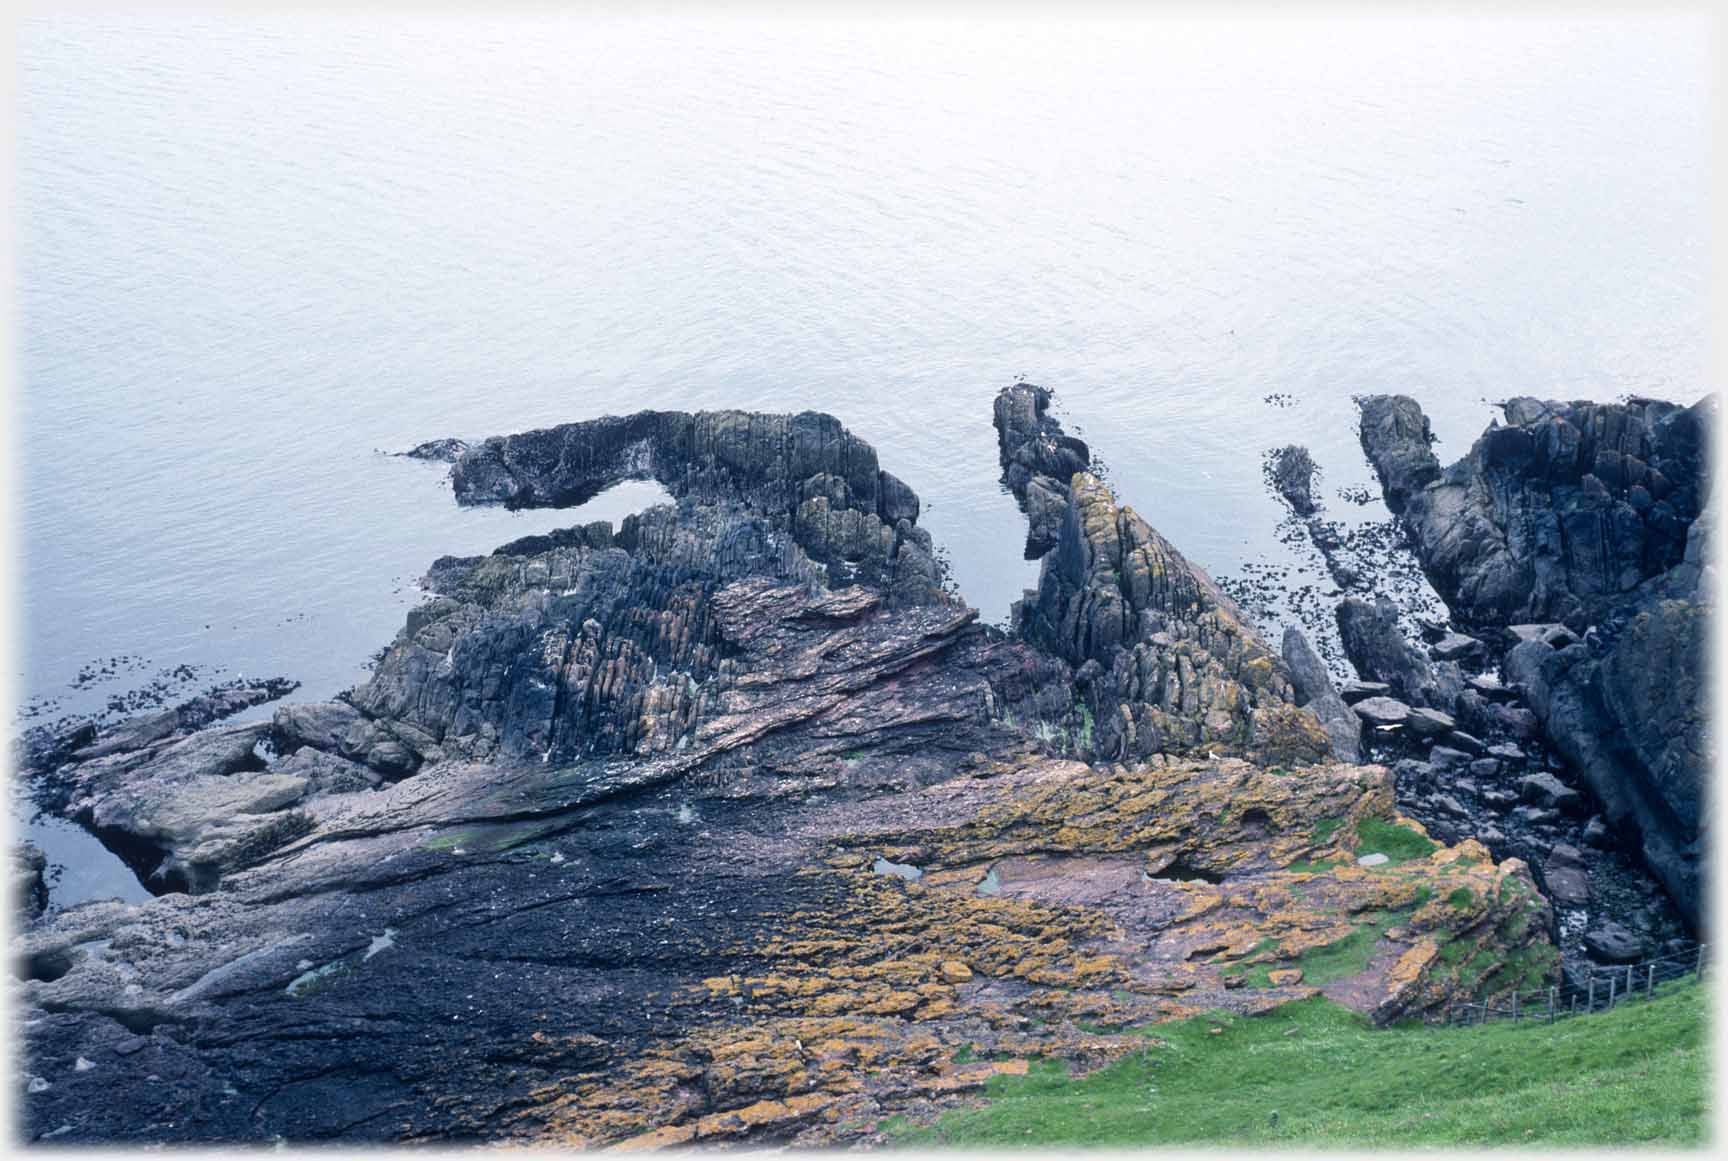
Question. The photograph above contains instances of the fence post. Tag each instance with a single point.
(1698, 970)
(1514, 1007)
(1650, 982)
(1591, 1006)
(1613, 983)
(1574, 1003)
(1551, 1005)
(1627, 994)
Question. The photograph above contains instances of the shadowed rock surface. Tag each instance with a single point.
(731, 826)
(1557, 515)
(1575, 528)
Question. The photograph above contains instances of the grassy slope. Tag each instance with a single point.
(1634, 1075)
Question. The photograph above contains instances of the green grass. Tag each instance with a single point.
(1462, 898)
(1325, 829)
(1399, 844)
(1636, 1075)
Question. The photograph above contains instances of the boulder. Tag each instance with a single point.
(1547, 791)
(321, 725)
(1377, 648)
(1315, 693)
(1610, 942)
(1469, 743)
(1447, 760)
(1430, 723)
(1455, 647)
(1383, 712)
(1355, 691)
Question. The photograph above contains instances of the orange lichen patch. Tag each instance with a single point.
(1053, 896)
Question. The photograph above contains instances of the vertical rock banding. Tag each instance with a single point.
(1164, 660)
(1587, 515)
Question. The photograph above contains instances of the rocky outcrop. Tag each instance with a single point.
(1576, 529)
(1629, 711)
(1557, 515)
(1316, 694)
(1164, 661)
(686, 832)
(803, 476)
(1380, 652)
(180, 799)
(1291, 470)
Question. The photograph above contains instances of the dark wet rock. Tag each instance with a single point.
(1292, 473)
(446, 451)
(29, 888)
(1548, 791)
(1507, 752)
(1485, 767)
(1597, 834)
(1631, 715)
(1611, 942)
(1538, 522)
(1382, 711)
(1039, 461)
(1399, 443)
(1315, 693)
(1378, 649)
(1448, 760)
(1355, 691)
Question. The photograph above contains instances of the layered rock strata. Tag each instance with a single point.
(1573, 533)
(730, 825)
(1163, 660)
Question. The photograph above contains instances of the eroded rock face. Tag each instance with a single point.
(1576, 528)
(1557, 515)
(1164, 661)
(1630, 711)
(704, 831)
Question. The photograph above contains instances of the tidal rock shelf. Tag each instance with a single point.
(732, 824)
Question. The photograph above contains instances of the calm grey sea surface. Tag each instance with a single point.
(255, 254)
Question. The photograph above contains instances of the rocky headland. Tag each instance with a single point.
(733, 824)
(1572, 547)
